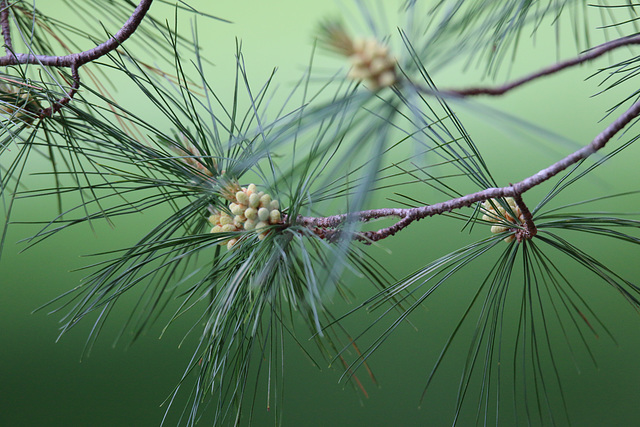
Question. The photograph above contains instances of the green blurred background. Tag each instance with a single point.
(44, 383)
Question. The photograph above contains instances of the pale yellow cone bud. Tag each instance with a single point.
(263, 214)
(225, 219)
(274, 216)
(236, 208)
(242, 198)
(231, 242)
(265, 201)
(254, 200)
(251, 213)
(228, 228)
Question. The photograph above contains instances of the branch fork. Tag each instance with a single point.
(328, 227)
(72, 61)
(513, 190)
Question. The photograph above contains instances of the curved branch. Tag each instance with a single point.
(73, 61)
(325, 227)
(81, 58)
(410, 215)
(57, 105)
(588, 56)
(118, 38)
(6, 29)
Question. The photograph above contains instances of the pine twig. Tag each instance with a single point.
(50, 111)
(326, 226)
(6, 29)
(530, 230)
(73, 61)
(552, 69)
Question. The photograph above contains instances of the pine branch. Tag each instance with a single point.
(410, 215)
(49, 111)
(530, 229)
(327, 227)
(6, 29)
(73, 61)
(84, 57)
(552, 69)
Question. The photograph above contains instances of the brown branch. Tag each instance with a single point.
(74, 60)
(364, 216)
(588, 56)
(530, 230)
(81, 58)
(6, 29)
(326, 227)
(410, 215)
(57, 105)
